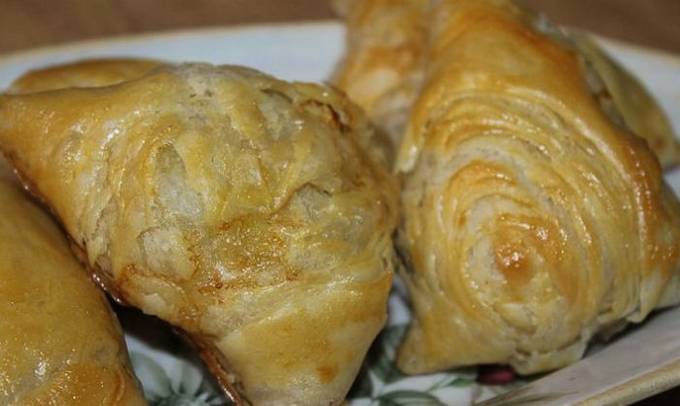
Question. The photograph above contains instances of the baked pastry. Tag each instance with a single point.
(387, 55)
(60, 343)
(383, 63)
(86, 73)
(532, 218)
(636, 105)
(6, 170)
(253, 214)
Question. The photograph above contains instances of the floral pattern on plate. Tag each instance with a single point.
(172, 375)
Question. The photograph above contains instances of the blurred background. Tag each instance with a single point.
(32, 23)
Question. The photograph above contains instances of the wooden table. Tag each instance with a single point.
(31, 23)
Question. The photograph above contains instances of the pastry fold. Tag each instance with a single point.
(254, 215)
(387, 54)
(384, 58)
(640, 111)
(532, 217)
(60, 343)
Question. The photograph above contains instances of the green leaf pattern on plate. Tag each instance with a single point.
(171, 375)
(183, 385)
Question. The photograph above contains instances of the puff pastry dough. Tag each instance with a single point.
(531, 219)
(88, 73)
(636, 105)
(253, 214)
(60, 343)
(387, 54)
(382, 67)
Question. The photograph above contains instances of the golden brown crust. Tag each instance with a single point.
(244, 210)
(6, 170)
(59, 341)
(89, 73)
(382, 67)
(531, 219)
(637, 106)
(387, 54)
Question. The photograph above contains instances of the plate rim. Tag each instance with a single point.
(123, 39)
(649, 384)
(100, 42)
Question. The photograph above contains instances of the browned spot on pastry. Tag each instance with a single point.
(513, 263)
(326, 111)
(327, 372)
(191, 240)
(253, 247)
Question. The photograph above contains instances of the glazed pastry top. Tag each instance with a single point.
(252, 213)
(60, 343)
(388, 52)
(88, 73)
(384, 58)
(528, 211)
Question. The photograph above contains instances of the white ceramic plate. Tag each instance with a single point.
(638, 364)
